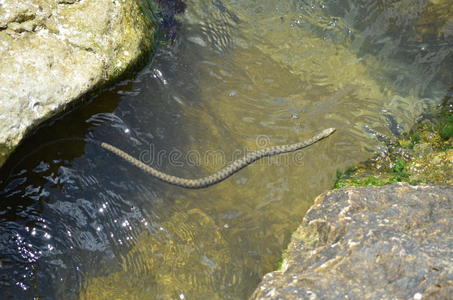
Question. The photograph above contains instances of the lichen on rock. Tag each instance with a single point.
(54, 52)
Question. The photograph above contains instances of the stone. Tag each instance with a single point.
(389, 242)
(55, 52)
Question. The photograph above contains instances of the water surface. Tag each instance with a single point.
(78, 222)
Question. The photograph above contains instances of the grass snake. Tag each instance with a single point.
(222, 174)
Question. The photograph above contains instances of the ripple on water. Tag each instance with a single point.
(57, 223)
(240, 75)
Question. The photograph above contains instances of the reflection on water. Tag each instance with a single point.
(77, 222)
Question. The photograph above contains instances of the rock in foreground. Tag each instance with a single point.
(53, 52)
(390, 242)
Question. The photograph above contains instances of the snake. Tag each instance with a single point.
(222, 174)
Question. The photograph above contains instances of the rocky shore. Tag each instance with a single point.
(55, 52)
(389, 242)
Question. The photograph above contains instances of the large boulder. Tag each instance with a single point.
(390, 242)
(54, 52)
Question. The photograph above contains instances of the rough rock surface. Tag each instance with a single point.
(53, 52)
(390, 242)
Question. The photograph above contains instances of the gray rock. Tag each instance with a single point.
(390, 242)
(54, 52)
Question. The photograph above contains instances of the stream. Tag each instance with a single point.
(77, 222)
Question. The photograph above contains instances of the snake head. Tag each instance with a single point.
(327, 132)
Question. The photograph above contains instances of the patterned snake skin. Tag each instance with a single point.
(223, 173)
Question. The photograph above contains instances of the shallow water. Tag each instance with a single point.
(77, 222)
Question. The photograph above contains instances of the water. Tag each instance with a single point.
(78, 222)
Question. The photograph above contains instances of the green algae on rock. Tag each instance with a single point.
(55, 52)
(424, 155)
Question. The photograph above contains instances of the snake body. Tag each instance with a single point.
(223, 173)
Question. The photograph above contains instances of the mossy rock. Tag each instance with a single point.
(424, 155)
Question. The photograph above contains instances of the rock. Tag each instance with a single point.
(54, 52)
(390, 242)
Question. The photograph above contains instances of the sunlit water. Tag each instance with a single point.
(78, 222)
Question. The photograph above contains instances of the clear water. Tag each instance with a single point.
(78, 222)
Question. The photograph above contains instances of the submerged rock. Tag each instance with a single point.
(166, 260)
(390, 242)
(54, 52)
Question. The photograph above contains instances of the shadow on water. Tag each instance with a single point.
(58, 224)
(67, 208)
(78, 222)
